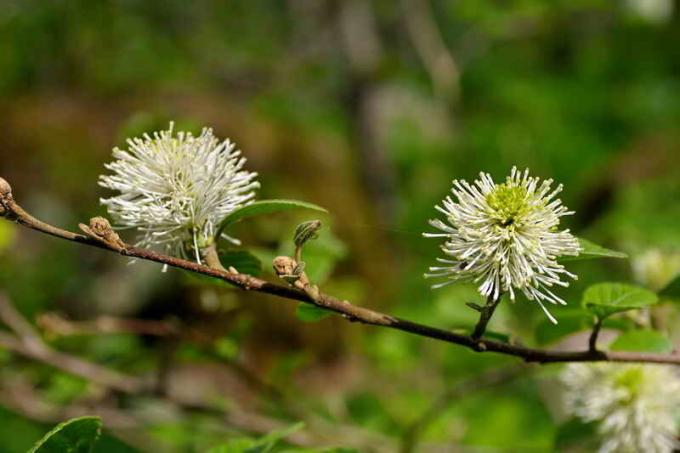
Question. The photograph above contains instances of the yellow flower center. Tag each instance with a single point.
(631, 381)
(509, 202)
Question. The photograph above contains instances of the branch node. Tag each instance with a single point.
(100, 230)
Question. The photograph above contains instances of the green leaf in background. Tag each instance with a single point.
(642, 341)
(241, 260)
(262, 445)
(7, 235)
(605, 299)
(671, 290)
(591, 251)
(265, 207)
(311, 313)
(77, 435)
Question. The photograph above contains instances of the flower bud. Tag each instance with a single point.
(5, 188)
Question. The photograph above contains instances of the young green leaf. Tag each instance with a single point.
(591, 251)
(605, 299)
(265, 207)
(311, 313)
(77, 435)
(642, 341)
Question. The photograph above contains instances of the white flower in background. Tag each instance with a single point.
(655, 11)
(505, 237)
(175, 189)
(655, 268)
(635, 406)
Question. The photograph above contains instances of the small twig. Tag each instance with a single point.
(55, 324)
(486, 312)
(592, 341)
(15, 321)
(427, 40)
(14, 212)
(28, 343)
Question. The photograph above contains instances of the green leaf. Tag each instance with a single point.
(311, 313)
(265, 207)
(591, 251)
(73, 436)
(241, 260)
(671, 290)
(7, 235)
(642, 341)
(605, 299)
(262, 445)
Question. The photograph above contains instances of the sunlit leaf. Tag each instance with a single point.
(591, 251)
(605, 299)
(7, 234)
(74, 436)
(266, 207)
(642, 341)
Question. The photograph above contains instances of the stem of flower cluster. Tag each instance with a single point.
(212, 258)
(592, 341)
(486, 313)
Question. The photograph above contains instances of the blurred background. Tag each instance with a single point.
(370, 109)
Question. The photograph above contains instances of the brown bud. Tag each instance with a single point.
(284, 265)
(5, 188)
(100, 226)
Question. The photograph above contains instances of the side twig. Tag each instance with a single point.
(12, 211)
(592, 341)
(486, 312)
(26, 342)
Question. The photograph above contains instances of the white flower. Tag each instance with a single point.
(175, 189)
(636, 406)
(655, 268)
(505, 237)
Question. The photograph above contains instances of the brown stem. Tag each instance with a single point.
(485, 316)
(26, 342)
(212, 258)
(351, 312)
(592, 341)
